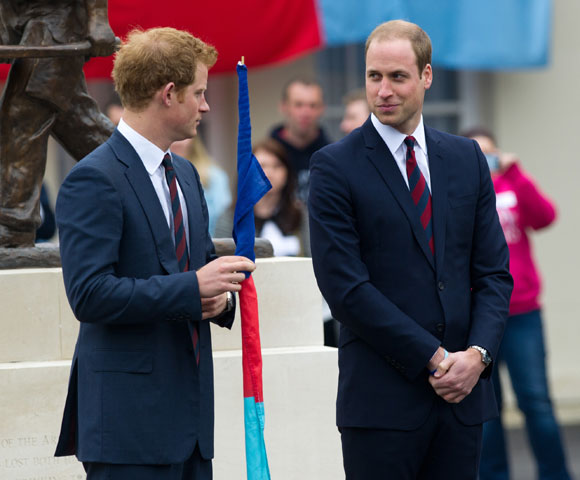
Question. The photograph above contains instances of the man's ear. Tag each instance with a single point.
(168, 94)
(427, 76)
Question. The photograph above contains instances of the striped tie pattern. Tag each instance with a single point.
(419, 191)
(179, 234)
(178, 227)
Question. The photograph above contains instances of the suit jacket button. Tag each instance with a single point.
(441, 286)
(440, 327)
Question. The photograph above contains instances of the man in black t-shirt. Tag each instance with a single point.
(302, 105)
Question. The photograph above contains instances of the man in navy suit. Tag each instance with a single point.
(141, 276)
(409, 254)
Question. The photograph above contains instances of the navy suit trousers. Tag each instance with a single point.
(440, 449)
(194, 468)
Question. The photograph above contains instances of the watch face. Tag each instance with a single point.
(485, 358)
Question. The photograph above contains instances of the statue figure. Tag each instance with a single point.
(45, 94)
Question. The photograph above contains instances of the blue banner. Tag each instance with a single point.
(466, 34)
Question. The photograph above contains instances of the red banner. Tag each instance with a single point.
(264, 31)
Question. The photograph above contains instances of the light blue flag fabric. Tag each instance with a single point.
(466, 34)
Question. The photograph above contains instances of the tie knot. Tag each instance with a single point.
(410, 142)
(167, 164)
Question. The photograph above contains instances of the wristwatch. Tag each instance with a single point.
(485, 356)
(229, 302)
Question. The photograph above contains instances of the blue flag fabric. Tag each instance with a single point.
(252, 181)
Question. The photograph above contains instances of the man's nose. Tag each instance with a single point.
(204, 106)
(385, 89)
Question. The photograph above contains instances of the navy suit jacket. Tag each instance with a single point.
(136, 395)
(395, 302)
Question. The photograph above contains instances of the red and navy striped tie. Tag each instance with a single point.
(179, 234)
(419, 191)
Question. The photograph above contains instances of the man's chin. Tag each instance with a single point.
(386, 118)
(307, 131)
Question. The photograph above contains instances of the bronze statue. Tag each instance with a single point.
(45, 94)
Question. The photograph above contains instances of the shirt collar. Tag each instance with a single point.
(394, 139)
(151, 155)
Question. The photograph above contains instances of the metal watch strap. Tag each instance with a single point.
(485, 356)
(229, 301)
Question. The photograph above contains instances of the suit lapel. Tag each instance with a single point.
(381, 157)
(139, 180)
(438, 171)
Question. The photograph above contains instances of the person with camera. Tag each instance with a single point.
(522, 207)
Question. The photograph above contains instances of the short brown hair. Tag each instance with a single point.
(309, 82)
(478, 131)
(420, 41)
(357, 95)
(150, 59)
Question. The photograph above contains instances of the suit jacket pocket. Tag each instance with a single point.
(137, 361)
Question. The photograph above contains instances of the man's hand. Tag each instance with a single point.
(214, 306)
(436, 360)
(223, 274)
(457, 375)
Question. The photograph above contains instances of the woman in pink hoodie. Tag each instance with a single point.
(521, 207)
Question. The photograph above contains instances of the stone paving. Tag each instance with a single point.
(522, 464)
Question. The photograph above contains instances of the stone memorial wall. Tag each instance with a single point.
(300, 378)
(37, 342)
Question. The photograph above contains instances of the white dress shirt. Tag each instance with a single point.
(152, 156)
(395, 141)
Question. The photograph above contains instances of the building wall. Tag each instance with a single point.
(536, 115)
(265, 87)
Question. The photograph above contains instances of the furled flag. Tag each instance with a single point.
(252, 185)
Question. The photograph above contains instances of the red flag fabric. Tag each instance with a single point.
(252, 353)
(264, 31)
